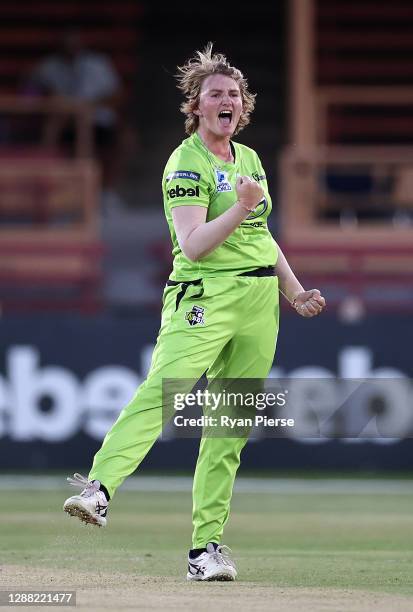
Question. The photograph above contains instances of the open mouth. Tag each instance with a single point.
(225, 117)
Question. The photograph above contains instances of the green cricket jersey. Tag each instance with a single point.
(194, 176)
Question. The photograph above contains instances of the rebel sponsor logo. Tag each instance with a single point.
(47, 402)
(181, 192)
(184, 174)
(90, 404)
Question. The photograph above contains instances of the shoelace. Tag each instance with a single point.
(222, 555)
(89, 487)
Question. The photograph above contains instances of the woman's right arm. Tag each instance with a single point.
(197, 237)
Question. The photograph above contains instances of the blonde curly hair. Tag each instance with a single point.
(191, 76)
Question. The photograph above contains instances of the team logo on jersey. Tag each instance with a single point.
(258, 177)
(223, 183)
(195, 316)
(258, 210)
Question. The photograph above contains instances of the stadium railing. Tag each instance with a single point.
(50, 248)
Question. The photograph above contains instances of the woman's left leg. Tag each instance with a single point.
(249, 354)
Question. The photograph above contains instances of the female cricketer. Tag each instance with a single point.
(220, 305)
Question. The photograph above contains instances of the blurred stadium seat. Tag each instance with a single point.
(28, 32)
(50, 251)
(50, 240)
(346, 209)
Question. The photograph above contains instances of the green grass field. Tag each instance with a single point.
(340, 540)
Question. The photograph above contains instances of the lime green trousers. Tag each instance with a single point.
(226, 327)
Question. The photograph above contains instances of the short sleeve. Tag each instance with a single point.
(185, 183)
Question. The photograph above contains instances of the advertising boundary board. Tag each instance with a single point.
(93, 365)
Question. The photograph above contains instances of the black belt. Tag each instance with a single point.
(267, 271)
(172, 283)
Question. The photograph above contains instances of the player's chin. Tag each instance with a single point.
(226, 130)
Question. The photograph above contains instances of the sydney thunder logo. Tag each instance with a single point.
(259, 210)
(195, 316)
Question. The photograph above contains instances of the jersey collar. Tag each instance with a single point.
(217, 160)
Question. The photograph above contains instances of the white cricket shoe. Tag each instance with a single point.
(91, 505)
(214, 564)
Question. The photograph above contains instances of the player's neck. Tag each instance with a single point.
(218, 146)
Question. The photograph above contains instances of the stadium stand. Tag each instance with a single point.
(29, 31)
(50, 246)
(346, 208)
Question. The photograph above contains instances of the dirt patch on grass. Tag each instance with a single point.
(116, 591)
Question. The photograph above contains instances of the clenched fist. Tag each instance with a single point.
(309, 303)
(249, 192)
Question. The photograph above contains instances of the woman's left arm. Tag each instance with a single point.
(306, 303)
